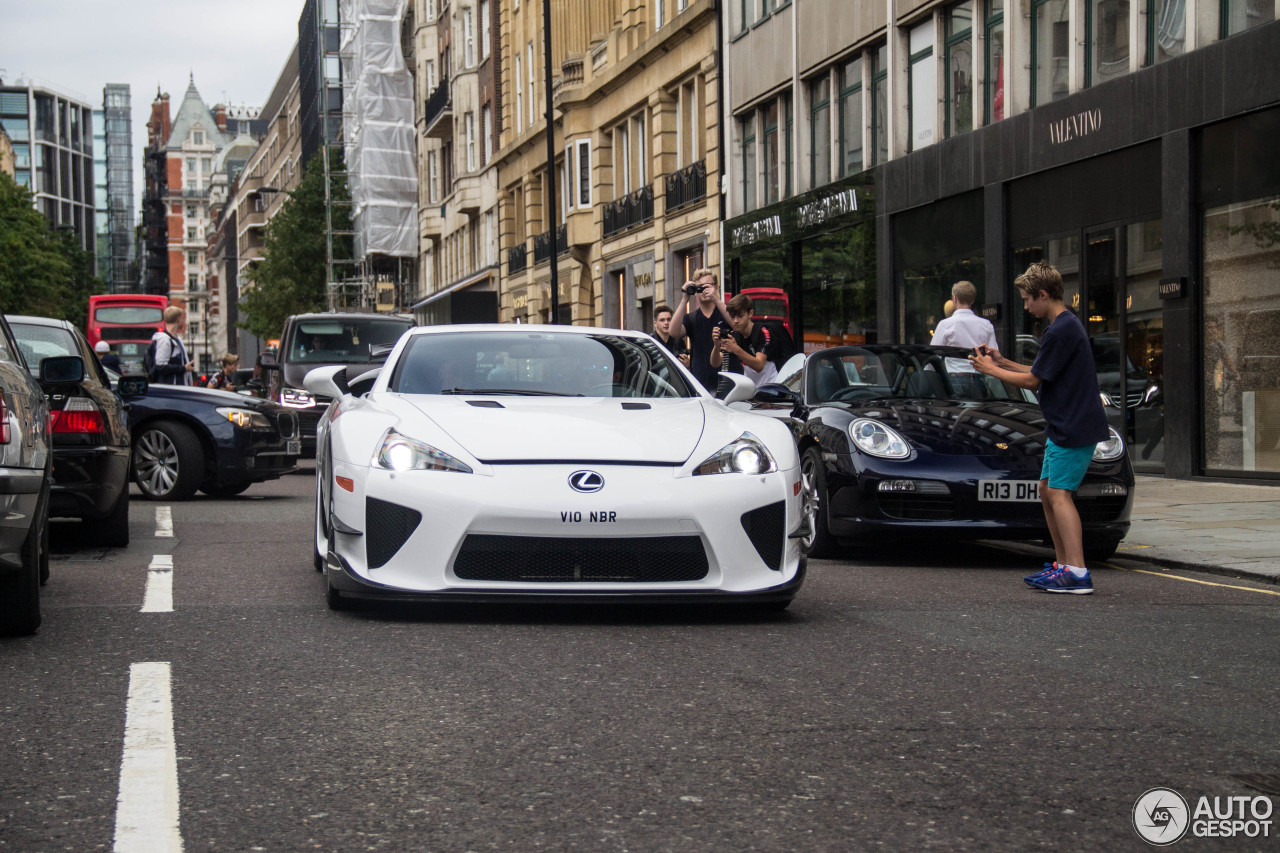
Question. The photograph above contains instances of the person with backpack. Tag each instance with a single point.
(166, 359)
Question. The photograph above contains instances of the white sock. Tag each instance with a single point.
(1078, 571)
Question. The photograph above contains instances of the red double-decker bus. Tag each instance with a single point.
(126, 321)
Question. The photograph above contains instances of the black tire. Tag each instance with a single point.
(813, 477)
(1100, 549)
(20, 591)
(228, 491)
(168, 461)
(113, 530)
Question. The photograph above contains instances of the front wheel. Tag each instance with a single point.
(20, 591)
(168, 461)
(229, 491)
(813, 479)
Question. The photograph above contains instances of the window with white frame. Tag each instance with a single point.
(430, 11)
(433, 176)
(659, 13)
(923, 86)
(469, 121)
(468, 38)
(430, 71)
(621, 156)
(584, 172)
(486, 42)
(532, 75)
(689, 111)
(519, 95)
(486, 128)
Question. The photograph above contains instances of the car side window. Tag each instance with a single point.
(8, 347)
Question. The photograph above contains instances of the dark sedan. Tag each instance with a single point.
(904, 441)
(187, 438)
(88, 428)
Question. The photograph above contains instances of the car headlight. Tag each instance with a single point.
(398, 452)
(1111, 449)
(295, 399)
(1108, 400)
(744, 455)
(244, 418)
(876, 439)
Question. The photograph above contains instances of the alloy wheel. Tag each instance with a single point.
(156, 462)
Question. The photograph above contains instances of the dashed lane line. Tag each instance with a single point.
(147, 804)
(159, 595)
(164, 522)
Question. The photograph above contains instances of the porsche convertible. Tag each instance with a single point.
(907, 442)
(506, 462)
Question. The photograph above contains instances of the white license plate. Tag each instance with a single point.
(1016, 491)
(293, 447)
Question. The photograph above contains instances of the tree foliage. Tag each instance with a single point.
(43, 271)
(292, 275)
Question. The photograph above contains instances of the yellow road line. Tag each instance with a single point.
(1192, 580)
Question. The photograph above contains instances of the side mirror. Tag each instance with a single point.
(364, 382)
(325, 382)
(734, 387)
(776, 395)
(268, 361)
(132, 385)
(62, 369)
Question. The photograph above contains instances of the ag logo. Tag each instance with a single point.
(586, 481)
(1161, 816)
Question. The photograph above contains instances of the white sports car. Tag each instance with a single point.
(506, 462)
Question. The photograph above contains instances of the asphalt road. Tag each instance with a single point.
(907, 699)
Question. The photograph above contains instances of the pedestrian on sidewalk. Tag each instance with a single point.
(1065, 381)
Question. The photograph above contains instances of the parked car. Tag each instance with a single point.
(309, 341)
(187, 439)
(492, 463)
(894, 445)
(88, 427)
(26, 463)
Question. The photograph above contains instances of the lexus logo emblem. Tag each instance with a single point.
(586, 481)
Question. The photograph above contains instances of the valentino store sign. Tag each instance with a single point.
(809, 212)
(1076, 126)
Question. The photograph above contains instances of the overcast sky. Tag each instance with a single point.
(235, 48)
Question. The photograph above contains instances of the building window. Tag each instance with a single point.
(820, 131)
(519, 95)
(880, 107)
(470, 123)
(532, 75)
(629, 151)
(748, 9)
(468, 38)
(1241, 15)
(1166, 30)
(584, 173)
(749, 162)
(1050, 50)
(959, 65)
(923, 81)
(771, 157)
(486, 127)
(197, 137)
(993, 62)
(430, 71)
(193, 258)
(1107, 51)
(191, 235)
(433, 176)
(689, 123)
(193, 283)
(851, 117)
(486, 41)
(659, 13)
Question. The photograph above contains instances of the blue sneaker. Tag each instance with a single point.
(1048, 567)
(1063, 580)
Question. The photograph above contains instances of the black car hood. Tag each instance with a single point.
(209, 397)
(956, 428)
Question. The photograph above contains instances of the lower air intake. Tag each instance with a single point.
(542, 559)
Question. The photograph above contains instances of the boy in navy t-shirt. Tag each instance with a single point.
(1065, 380)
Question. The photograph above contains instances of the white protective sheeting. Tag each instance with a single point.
(379, 138)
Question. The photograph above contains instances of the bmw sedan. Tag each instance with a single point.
(573, 464)
(905, 442)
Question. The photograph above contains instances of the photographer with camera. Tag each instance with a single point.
(705, 322)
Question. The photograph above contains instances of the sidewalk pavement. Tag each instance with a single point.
(1221, 528)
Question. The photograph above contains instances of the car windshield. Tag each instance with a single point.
(853, 374)
(537, 364)
(343, 341)
(37, 342)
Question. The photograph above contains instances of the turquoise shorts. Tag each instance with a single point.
(1064, 467)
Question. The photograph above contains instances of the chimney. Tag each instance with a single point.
(220, 117)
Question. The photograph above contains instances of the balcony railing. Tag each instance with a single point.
(687, 185)
(628, 211)
(517, 259)
(542, 244)
(436, 104)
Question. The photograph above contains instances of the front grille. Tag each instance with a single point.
(287, 424)
(541, 559)
(917, 507)
(766, 528)
(386, 527)
(308, 420)
(1100, 509)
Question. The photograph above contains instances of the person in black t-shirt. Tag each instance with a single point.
(662, 331)
(747, 348)
(705, 322)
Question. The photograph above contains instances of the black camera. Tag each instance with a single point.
(693, 289)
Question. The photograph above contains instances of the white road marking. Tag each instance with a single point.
(159, 594)
(147, 805)
(164, 522)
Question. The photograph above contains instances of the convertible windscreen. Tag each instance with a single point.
(856, 374)
(537, 364)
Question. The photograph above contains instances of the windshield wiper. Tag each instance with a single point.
(517, 392)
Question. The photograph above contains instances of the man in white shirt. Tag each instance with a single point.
(964, 329)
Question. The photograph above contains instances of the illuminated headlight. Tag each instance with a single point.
(400, 453)
(876, 439)
(1111, 449)
(244, 418)
(1107, 400)
(745, 455)
(296, 399)
(1150, 394)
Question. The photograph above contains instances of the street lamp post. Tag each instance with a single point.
(551, 160)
